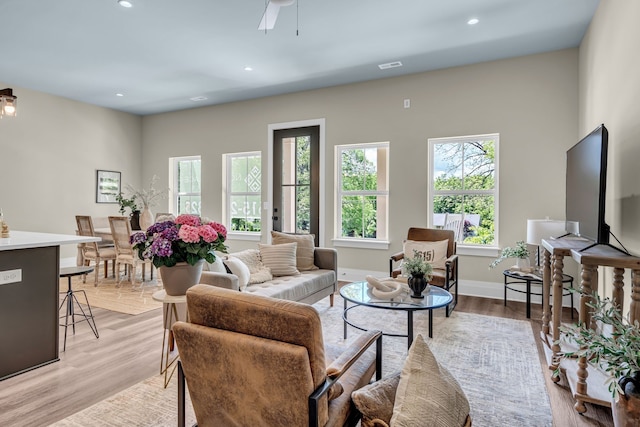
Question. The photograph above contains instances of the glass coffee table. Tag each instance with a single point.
(360, 295)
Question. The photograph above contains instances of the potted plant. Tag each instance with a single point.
(130, 203)
(614, 346)
(520, 252)
(418, 272)
(179, 248)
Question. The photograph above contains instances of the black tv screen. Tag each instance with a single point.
(586, 187)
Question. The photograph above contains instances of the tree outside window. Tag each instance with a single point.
(362, 190)
(463, 187)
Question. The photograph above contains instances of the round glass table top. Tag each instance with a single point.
(359, 293)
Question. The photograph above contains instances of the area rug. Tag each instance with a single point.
(495, 361)
(124, 298)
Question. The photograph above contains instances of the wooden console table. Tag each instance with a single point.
(587, 384)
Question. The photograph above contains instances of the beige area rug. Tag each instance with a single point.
(494, 359)
(124, 298)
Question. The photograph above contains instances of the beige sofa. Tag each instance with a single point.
(307, 287)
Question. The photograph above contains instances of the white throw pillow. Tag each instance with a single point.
(259, 273)
(217, 266)
(281, 259)
(427, 394)
(240, 269)
(434, 253)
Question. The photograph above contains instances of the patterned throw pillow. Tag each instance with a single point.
(434, 253)
(258, 272)
(427, 394)
(304, 251)
(281, 259)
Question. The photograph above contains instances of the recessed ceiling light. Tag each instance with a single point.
(119, 94)
(198, 98)
(248, 69)
(473, 21)
(125, 3)
(390, 65)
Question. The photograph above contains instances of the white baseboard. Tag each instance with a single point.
(492, 290)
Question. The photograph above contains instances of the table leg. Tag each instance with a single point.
(528, 299)
(410, 327)
(344, 321)
(546, 291)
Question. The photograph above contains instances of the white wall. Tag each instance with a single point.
(531, 101)
(610, 94)
(49, 155)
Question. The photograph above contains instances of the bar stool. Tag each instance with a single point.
(70, 298)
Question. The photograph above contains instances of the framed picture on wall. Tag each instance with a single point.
(107, 186)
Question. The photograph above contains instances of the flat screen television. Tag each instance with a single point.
(586, 187)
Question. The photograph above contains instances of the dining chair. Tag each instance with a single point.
(125, 254)
(92, 251)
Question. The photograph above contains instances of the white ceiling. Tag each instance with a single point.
(161, 53)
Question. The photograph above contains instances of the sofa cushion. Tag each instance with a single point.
(217, 266)
(295, 288)
(434, 253)
(258, 272)
(281, 259)
(240, 269)
(304, 250)
(427, 393)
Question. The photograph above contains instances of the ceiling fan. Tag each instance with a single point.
(271, 13)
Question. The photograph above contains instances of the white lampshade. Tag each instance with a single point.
(538, 229)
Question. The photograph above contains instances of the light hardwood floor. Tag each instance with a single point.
(128, 351)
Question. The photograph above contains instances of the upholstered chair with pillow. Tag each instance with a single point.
(438, 248)
(424, 394)
(251, 360)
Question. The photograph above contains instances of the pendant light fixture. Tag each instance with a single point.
(8, 103)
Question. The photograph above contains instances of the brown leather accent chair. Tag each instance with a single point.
(446, 278)
(251, 360)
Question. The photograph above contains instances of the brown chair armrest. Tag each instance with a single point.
(352, 353)
(398, 256)
(453, 258)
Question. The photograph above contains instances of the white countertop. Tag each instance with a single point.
(28, 239)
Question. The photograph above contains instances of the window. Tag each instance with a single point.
(362, 191)
(243, 195)
(186, 182)
(463, 193)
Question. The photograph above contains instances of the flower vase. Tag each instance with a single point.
(523, 264)
(417, 284)
(135, 220)
(177, 279)
(626, 407)
(146, 219)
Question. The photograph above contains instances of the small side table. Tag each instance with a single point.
(69, 300)
(170, 316)
(513, 278)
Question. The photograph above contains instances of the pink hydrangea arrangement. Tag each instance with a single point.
(189, 238)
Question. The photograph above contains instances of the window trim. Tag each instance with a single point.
(468, 248)
(359, 242)
(174, 204)
(227, 194)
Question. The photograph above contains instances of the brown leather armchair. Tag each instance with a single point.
(446, 278)
(253, 360)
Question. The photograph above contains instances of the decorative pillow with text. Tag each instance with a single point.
(435, 253)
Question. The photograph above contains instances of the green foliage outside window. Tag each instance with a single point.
(468, 167)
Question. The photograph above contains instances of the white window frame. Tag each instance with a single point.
(467, 248)
(360, 242)
(174, 161)
(227, 194)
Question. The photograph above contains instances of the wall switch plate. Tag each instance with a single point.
(407, 103)
(10, 276)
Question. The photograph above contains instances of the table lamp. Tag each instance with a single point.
(539, 229)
